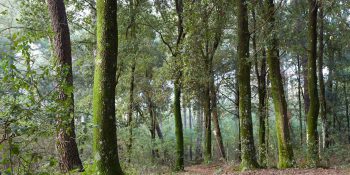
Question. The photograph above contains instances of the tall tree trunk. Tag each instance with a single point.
(262, 110)
(190, 127)
(217, 130)
(261, 77)
(285, 151)
(105, 135)
(323, 106)
(198, 153)
(66, 145)
(312, 85)
(329, 98)
(305, 86)
(207, 122)
(130, 109)
(347, 111)
(237, 115)
(299, 102)
(131, 36)
(179, 166)
(154, 123)
(184, 111)
(249, 160)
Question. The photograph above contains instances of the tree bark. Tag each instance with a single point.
(249, 160)
(198, 153)
(217, 130)
(105, 135)
(312, 137)
(130, 109)
(66, 140)
(323, 104)
(207, 122)
(191, 135)
(261, 77)
(347, 111)
(179, 164)
(299, 102)
(285, 151)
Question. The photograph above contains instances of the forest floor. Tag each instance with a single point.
(225, 169)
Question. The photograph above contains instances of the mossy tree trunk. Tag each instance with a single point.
(105, 135)
(66, 140)
(312, 137)
(285, 151)
(248, 153)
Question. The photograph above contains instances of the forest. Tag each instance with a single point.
(119, 87)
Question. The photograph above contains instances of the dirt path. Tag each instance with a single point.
(225, 169)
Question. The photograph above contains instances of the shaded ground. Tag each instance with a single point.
(225, 169)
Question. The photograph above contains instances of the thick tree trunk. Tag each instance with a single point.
(285, 151)
(66, 144)
(249, 160)
(105, 137)
(179, 164)
(312, 85)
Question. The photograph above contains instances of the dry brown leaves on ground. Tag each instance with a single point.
(222, 169)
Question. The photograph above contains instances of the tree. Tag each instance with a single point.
(260, 71)
(285, 151)
(312, 87)
(246, 127)
(105, 136)
(323, 104)
(66, 145)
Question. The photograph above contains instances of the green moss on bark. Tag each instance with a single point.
(312, 138)
(179, 164)
(105, 136)
(285, 151)
(248, 153)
